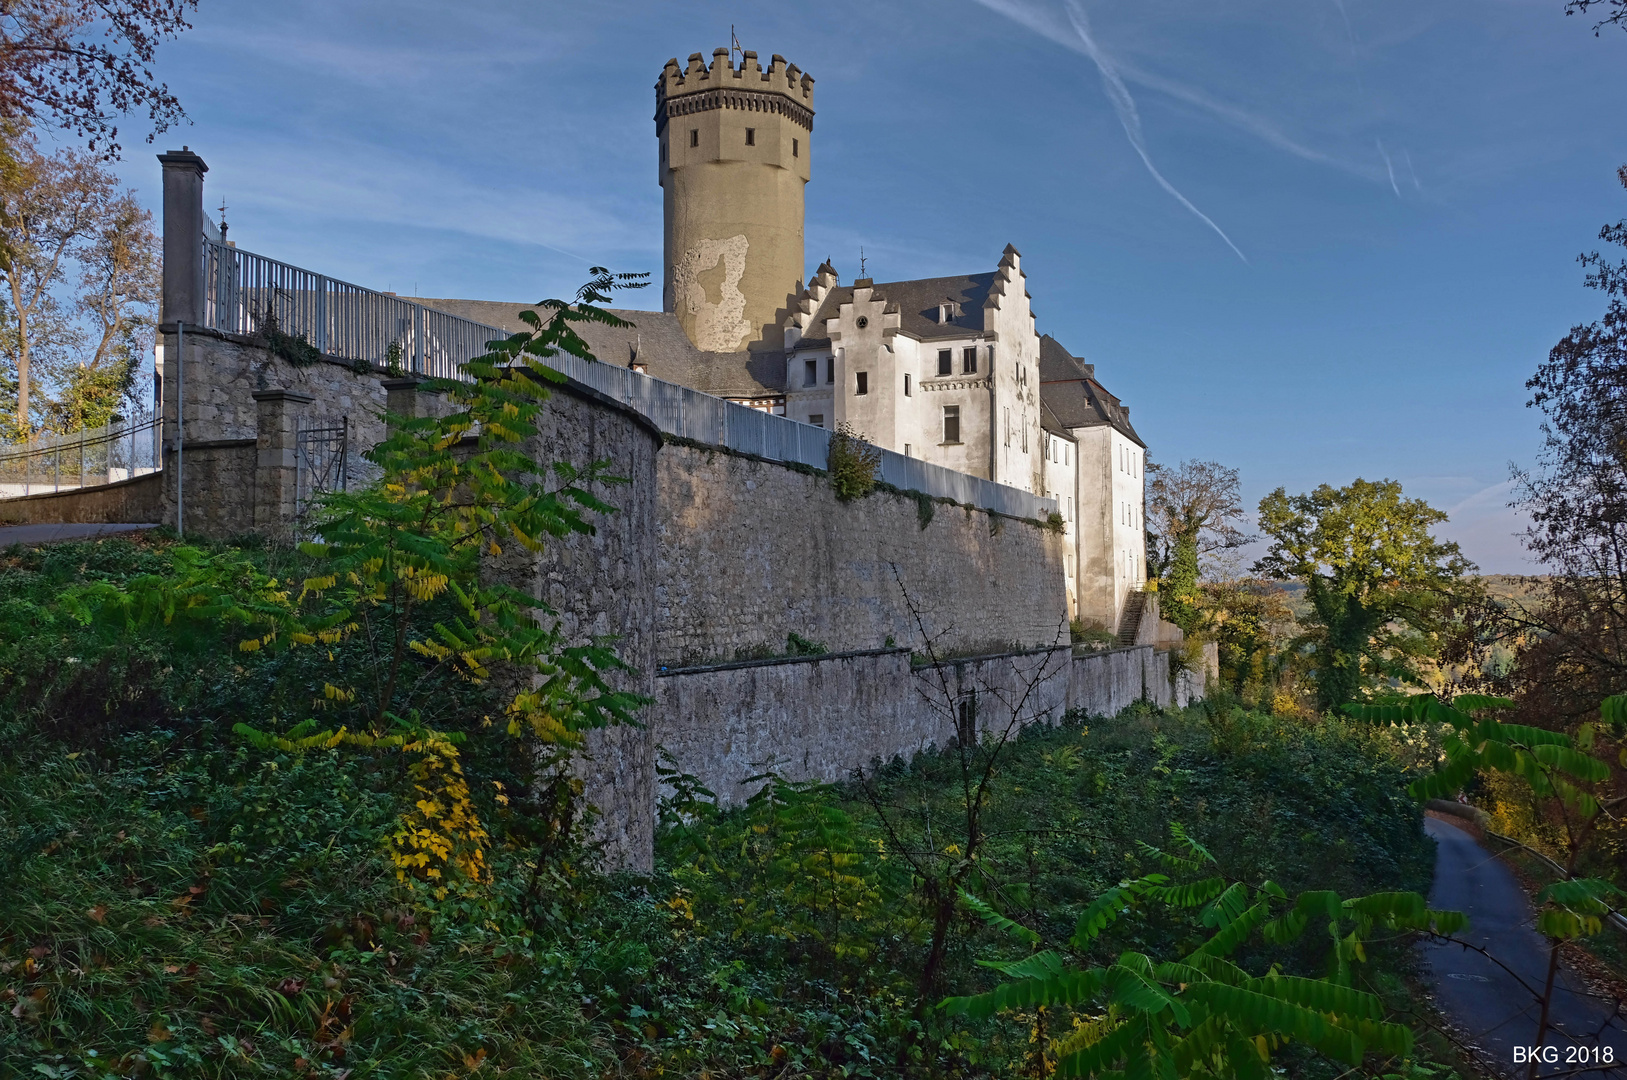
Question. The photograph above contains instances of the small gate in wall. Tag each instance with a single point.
(321, 456)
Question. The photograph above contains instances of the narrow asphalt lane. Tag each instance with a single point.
(1486, 1001)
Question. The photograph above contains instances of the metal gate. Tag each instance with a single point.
(321, 458)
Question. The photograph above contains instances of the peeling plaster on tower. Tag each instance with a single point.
(733, 153)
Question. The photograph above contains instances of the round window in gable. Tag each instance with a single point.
(864, 321)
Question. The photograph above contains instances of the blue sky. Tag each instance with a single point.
(1314, 239)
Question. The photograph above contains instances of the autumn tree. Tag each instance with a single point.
(80, 275)
(78, 65)
(1573, 640)
(1381, 588)
(1611, 13)
(1194, 511)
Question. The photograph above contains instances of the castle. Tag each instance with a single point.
(770, 622)
(951, 370)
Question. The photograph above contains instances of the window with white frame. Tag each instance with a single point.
(951, 423)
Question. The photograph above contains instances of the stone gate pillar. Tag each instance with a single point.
(183, 297)
(276, 466)
(408, 397)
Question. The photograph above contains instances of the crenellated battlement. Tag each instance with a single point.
(783, 88)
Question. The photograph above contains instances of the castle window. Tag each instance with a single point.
(945, 362)
(694, 136)
(751, 136)
(810, 372)
(947, 312)
(907, 450)
(816, 419)
(951, 423)
(863, 386)
(968, 361)
(663, 152)
(795, 148)
(830, 370)
(907, 387)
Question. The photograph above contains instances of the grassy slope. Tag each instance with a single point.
(173, 902)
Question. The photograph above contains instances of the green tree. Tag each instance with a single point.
(1193, 509)
(1380, 585)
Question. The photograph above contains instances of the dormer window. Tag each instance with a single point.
(947, 311)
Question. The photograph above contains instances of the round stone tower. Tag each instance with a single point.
(733, 161)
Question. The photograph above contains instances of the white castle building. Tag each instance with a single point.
(950, 369)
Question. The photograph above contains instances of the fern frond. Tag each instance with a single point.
(999, 921)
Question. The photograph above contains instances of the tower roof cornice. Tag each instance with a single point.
(783, 89)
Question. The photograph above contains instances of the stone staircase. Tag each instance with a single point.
(1130, 621)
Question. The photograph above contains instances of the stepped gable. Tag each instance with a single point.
(656, 340)
(916, 302)
(1069, 389)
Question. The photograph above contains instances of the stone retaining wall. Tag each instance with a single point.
(751, 551)
(138, 501)
(823, 717)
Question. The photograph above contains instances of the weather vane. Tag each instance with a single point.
(861, 261)
(734, 45)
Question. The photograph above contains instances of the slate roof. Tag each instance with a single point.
(1068, 387)
(660, 344)
(917, 305)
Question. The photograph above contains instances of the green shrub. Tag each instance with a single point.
(853, 463)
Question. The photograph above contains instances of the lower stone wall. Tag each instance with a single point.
(139, 501)
(823, 717)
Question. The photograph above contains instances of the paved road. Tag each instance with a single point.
(1486, 1001)
(44, 534)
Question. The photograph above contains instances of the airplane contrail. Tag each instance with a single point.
(1389, 168)
(1130, 119)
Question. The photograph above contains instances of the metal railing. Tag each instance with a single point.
(90, 458)
(344, 321)
(351, 323)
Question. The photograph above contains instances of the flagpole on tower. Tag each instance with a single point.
(734, 45)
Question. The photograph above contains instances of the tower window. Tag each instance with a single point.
(663, 152)
(830, 370)
(945, 362)
(907, 387)
(751, 136)
(816, 419)
(951, 423)
(810, 372)
(968, 361)
(694, 136)
(795, 148)
(863, 383)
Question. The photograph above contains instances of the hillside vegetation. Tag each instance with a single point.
(177, 899)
